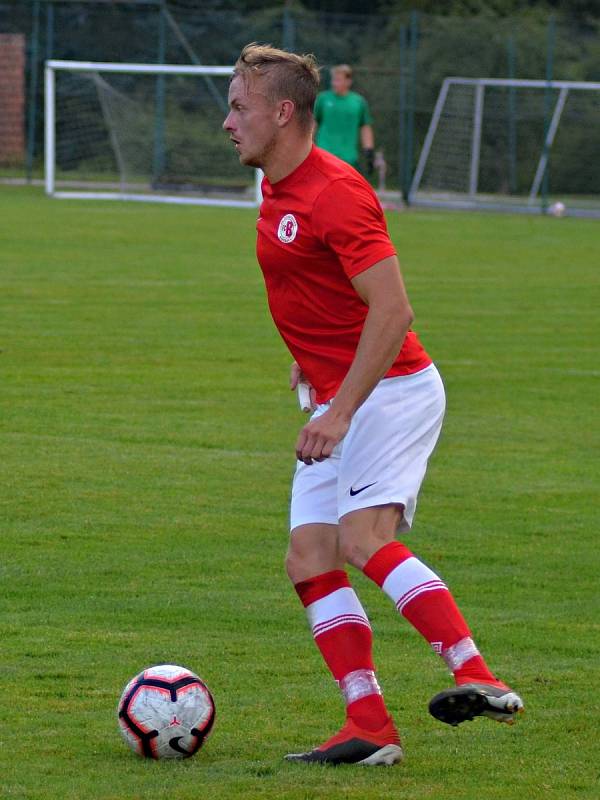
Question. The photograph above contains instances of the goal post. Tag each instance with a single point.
(491, 142)
(142, 132)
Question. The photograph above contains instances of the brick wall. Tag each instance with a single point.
(12, 98)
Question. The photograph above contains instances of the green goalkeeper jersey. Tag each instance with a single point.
(340, 118)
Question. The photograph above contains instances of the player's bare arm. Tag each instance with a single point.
(367, 140)
(387, 322)
(367, 137)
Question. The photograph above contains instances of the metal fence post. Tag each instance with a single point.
(402, 172)
(512, 117)
(289, 28)
(158, 161)
(412, 90)
(49, 30)
(547, 108)
(33, 82)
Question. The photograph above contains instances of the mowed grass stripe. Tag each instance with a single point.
(147, 447)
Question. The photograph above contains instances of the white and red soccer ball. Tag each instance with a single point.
(166, 712)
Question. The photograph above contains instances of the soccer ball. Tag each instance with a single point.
(166, 712)
(557, 209)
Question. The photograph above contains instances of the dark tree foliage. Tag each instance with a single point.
(573, 8)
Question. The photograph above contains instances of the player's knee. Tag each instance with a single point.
(297, 563)
(364, 532)
(293, 564)
(358, 545)
(354, 549)
(312, 552)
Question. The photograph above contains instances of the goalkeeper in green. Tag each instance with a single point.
(343, 120)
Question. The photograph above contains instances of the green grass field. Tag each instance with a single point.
(146, 452)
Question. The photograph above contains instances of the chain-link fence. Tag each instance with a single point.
(400, 62)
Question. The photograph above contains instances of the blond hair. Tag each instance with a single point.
(345, 69)
(288, 76)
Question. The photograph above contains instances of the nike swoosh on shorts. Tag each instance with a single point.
(354, 492)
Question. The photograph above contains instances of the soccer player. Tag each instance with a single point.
(337, 297)
(343, 118)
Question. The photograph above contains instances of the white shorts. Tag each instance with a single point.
(383, 457)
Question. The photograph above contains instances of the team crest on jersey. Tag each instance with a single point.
(288, 228)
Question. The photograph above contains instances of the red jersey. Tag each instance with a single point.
(319, 227)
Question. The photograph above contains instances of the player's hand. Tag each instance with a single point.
(318, 438)
(369, 154)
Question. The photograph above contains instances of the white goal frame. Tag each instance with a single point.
(470, 201)
(54, 65)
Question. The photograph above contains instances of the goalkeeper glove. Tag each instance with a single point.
(369, 154)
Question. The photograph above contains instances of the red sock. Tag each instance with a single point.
(423, 598)
(343, 635)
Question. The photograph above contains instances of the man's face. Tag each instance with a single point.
(340, 82)
(251, 122)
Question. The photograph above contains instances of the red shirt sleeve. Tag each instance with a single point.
(347, 217)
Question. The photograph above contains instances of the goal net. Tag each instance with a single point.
(142, 132)
(521, 145)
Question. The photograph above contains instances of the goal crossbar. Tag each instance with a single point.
(56, 65)
(526, 83)
(146, 69)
